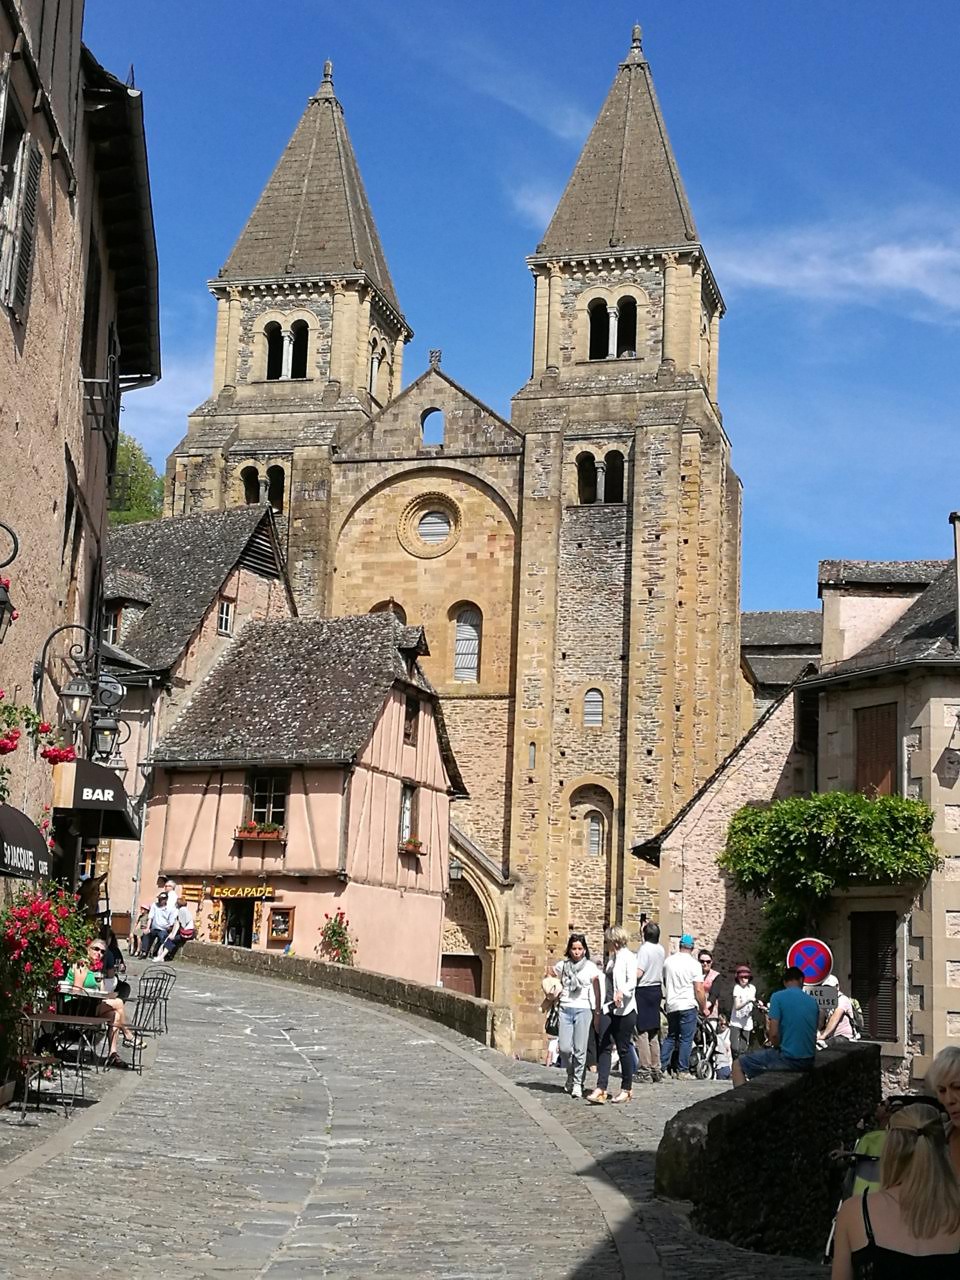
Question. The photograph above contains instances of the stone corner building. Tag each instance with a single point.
(576, 569)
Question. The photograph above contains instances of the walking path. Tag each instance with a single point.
(284, 1132)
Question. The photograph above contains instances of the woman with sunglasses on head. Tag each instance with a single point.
(915, 1213)
(580, 979)
(86, 977)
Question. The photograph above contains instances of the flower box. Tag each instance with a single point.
(252, 833)
(414, 847)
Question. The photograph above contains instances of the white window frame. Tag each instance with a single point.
(467, 644)
(408, 797)
(225, 617)
(112, 621)
(595, 833)
(593, 709)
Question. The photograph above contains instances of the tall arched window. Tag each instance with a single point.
(467, 639)
(586, 479)
(275, 485)
(391, 606)
(274, 337)
(627, 327)
(595, 833)
(432, 426)
(593, 709)
(532, 756)
(300, 332)
(613, 488)
(251, 485)
(374, 367)
(382, 388)
(599, 330)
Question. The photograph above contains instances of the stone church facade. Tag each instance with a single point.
(576, 568)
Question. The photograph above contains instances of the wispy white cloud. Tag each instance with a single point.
(534, 204)
(910, 254)
(157, 416)
(486, 71)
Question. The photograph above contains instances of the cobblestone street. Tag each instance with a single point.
(282, 1132)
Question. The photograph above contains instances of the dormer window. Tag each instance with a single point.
(225, 609)
(112, 616)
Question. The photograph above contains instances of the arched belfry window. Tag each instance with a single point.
(275, 486)
(432, 426)
(599, 330)
(467, 639)
(300, 335)
(375, 358)
(593, 709)
(627, 327)
(251, 485)
(586, 479)
(595, 833)
(613, 488)
(274, 336)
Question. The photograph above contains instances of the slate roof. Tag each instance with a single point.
(313, 217)
(780, 627)
(299, 691)
(626, 191)
(916, 573)
(776, 669)
(927, 631)
(175, 567)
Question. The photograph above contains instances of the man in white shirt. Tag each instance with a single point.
(650, 961)
(159, 923)
(683, 996)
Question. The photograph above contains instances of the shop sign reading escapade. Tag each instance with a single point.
(241, 891)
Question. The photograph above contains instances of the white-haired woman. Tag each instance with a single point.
(914, 1215)
(614, 1023)
(942, 1081)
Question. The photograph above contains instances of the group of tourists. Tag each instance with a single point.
(164, 926)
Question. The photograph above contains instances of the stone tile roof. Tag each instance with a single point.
(301, 692)
(773, 670)
(918, 573)
(176, 567)
(626, 191)
(780, 627)
(313, 217)
(927, 631)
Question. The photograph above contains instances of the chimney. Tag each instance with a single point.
(955, 521)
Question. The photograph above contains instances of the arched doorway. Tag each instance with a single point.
(465, 958)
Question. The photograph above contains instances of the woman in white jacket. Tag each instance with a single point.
(615, 1022)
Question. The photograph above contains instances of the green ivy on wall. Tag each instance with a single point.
(795, 853)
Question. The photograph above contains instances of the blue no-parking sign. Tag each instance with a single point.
(812, 957)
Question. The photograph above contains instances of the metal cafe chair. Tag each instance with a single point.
(150, 1012)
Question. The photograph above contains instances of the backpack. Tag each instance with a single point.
(859, 1025)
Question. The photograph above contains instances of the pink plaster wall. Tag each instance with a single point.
(853, 617)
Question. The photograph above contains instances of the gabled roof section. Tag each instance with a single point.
(879, 573)
(780, 628)
(176, 567)
(313, 218)
(301, 692)
(626, 191)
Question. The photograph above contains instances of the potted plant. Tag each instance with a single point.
(412, 845)
(252, 830)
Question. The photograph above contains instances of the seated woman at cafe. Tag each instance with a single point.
(114, 972)
(86, 976)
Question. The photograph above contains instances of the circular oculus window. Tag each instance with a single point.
(429, 526)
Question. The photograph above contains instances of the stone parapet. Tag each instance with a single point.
(481, 1020)
(754, 1161)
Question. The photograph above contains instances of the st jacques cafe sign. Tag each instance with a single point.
(23, 846)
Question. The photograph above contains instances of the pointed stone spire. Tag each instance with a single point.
(625, 192)
(313, 218)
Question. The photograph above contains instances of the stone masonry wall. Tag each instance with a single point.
(755, 1161)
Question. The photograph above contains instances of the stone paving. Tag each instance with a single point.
(283, 1132)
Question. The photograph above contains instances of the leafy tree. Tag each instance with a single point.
(795, 853)
(137, 488)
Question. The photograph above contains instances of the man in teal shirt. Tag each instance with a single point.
(792, 1029)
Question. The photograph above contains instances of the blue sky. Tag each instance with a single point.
(818, 146)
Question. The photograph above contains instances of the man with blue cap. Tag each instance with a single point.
(683, 995)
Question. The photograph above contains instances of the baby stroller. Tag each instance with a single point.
(704, 1050)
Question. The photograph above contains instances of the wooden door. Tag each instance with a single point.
(462, 973)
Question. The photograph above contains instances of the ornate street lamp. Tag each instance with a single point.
(104, 732)
(455, 869)
(76, 697)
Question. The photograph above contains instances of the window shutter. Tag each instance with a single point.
(593, 709)
(595, 834)
(876, 749)
(434, 527)
(28, 222)
(466, 663)
(873, 976)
